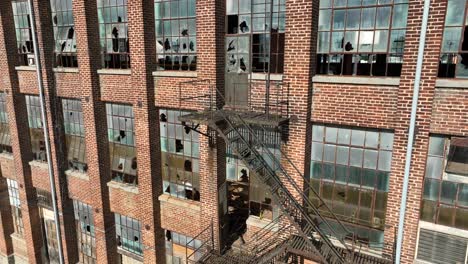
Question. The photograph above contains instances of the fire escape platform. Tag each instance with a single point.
(209, 117)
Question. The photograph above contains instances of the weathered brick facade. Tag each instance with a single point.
(379, 103)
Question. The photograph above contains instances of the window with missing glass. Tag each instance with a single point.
(74, 134)
(120, 124)
(180, 156)
(15, 203)
(445, 197)
(260, 201)
(113, 30)
(350, 170)
(179, 246)
(64, 33)
(85, 232)
(176, 33)
(361, 37)
(36, 131)
(24, 38)
(454, 53)
(255, 36)
(128, 234)
(5, 137)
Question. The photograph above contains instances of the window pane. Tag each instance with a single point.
(448, 192)
(434, 167)
(451, 39)
(383, 17)
(436, 146)
(353, 18)
(317, 150)
(325, 19)
(455, 14)
(338, 19)
(431, 189)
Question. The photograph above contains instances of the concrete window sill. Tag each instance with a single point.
(77, 174)
(114, 72)
(264, 77)
(452, 83)
(385, 81)
(66, 70)
(123, 187)
(189, 204)
(6, 155)
(178, 74)
(39, 164)
(25, 68)
(260, 223)
(17, 236)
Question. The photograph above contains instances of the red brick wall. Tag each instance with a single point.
(450, 112)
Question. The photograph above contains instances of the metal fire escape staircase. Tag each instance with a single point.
(309, 232)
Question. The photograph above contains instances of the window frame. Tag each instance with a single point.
(124, 229)
(74, 129)
(84, 219)
(36, 131)
(5, 136)
(15, 204)
(63, 9)
(25, 48)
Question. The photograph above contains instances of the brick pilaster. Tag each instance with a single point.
(6, 220)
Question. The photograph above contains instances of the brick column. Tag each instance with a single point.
(299, 61)
(420, 148)
(210, 67)
(46, 43)
(94, 112)
(20, 141)
(143, 57)
(6, 222)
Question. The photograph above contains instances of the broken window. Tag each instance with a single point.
(180, 156)
(74, 134)
(120, 125)
(179, 246)
(454, 54)
(15, 203)
(365, 39)
(113, 29)
(64, 33)
(128, 232)
(252, 44)
(85, 232)
(445, 195)
(24, 38)
(350, 170)
(36, 131)
(5, 137)
(176, 33)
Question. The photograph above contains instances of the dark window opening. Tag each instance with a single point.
(457, 160)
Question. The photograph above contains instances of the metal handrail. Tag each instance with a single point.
(208, 242)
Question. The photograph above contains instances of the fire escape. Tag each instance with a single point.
(306, 226)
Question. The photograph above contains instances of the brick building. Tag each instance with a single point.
(151, 105)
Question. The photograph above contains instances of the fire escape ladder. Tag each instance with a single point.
(309, 225)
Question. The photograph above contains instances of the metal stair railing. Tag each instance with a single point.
(282, 194)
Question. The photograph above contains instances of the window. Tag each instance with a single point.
(128, 234)
(441, 248)
(454, 53)
(5, 137)
(361, 38)
(64, 33)
(85, 232)
(350, 170)
(179, 246)
(445, 197)
(176, 32)
(113, 29)
(13, 194)
(180, 154)
(120, 123)
(250, 39)
(24, 38)
(457, 159)
(36, 131)
(74, 134)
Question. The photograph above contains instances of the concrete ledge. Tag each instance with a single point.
(452, 83)
(179, 74)
(66, 70)
(386, 81)
(264, 77)
(77, 174)
(114, 72)
(25, 68)
(123, 186)
(39, 164)
(6, 155)
(260, 223)
(189, 204)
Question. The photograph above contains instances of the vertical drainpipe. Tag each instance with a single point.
(46, 128)
(411, 134)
